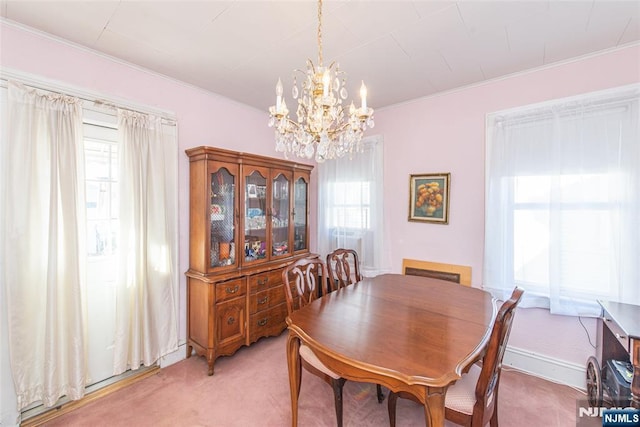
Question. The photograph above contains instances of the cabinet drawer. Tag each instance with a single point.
(230, 289)
(267, 323)
(266, 299)
(616, 331)
(260, 282)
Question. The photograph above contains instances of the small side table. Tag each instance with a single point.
(618, 339)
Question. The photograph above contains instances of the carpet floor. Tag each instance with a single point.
(251, 388)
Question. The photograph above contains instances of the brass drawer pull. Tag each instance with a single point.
(263, 322)
(233, 290)
(230, 320)
(263, 300)
(263, 281)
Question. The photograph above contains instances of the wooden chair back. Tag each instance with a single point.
(303, 282)
(339, 264)
(489, 379)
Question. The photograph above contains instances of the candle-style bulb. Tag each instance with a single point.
(278, 95)
(363, 95)
(325, 83)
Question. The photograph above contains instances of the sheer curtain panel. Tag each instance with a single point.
(562, 215)
(146, 296)
(351, 208)
(43, 246)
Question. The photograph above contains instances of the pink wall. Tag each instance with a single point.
(446, 133)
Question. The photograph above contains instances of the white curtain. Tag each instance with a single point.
(43, 246)
(146, 296)
(563, 202)
(351, 207)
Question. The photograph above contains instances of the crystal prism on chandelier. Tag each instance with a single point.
(323, 127)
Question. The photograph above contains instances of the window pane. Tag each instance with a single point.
(97, 160)
(115, 200)
(531, 189)
(101, 191)
(351, 205)
(115, 173)
(584, 259)
(579, 253)
(98, 201)
(101, 237)
(531, 247)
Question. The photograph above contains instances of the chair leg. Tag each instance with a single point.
(393, 397)
(337, 396)
(493, 421)
(380, 394)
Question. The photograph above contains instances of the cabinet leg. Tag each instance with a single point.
(189, 350)
(210, 359)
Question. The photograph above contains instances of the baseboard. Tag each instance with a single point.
(175, 357)
(548, 368)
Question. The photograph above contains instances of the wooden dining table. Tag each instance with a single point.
(407, 333)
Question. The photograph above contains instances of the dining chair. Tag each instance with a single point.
(473, 399)
(339, 268)
(303, 281)
(339, 264)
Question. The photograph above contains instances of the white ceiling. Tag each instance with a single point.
(401, 49)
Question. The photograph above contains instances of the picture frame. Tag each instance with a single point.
(429, 197)
(252, 191)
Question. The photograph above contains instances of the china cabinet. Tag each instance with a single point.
(248, 220)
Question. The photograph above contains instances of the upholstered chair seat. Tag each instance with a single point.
(462, 395)
(310, 357)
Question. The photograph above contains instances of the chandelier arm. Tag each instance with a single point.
(304, 72)
(293, 123)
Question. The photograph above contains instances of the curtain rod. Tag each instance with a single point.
(97, 99)
(620, 94)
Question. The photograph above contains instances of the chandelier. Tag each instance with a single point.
(323, 127)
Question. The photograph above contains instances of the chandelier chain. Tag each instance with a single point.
(320, 33)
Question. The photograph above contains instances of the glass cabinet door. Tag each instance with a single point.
(300, 215)
(222, 211)
(255, 215)
(280, 214)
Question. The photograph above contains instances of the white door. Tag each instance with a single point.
(101, 156)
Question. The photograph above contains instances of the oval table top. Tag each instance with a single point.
(414, 329)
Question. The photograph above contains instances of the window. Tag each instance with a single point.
(351, 207)
(584, 236)
(101, 159)
(563, 202)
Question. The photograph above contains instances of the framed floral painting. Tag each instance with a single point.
(429, 197)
